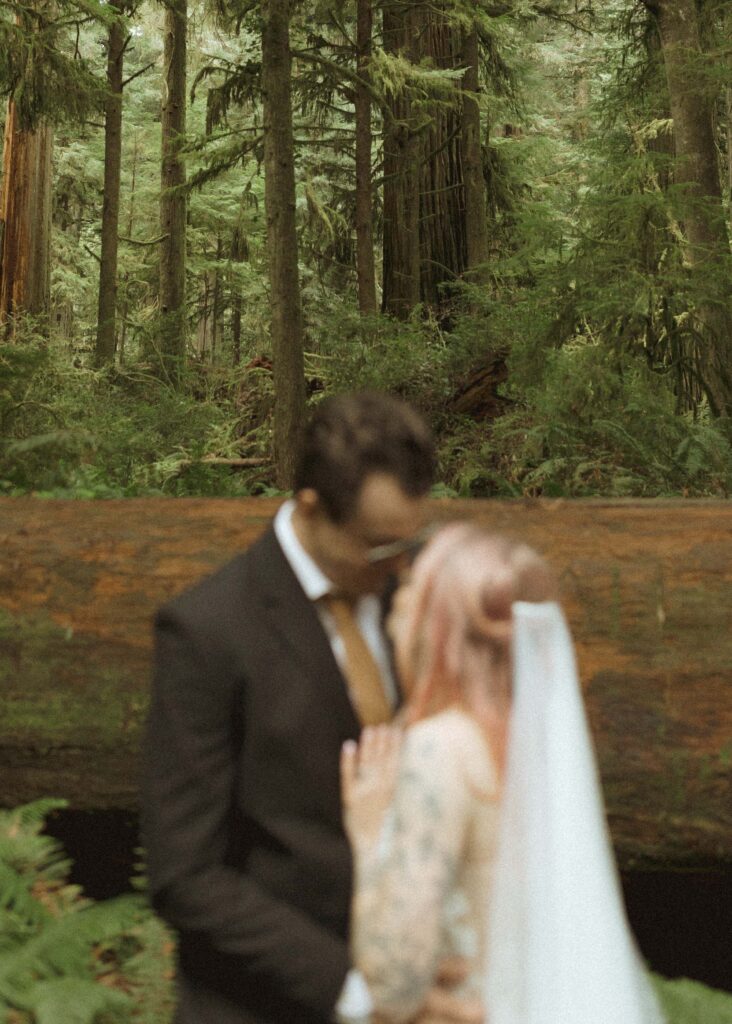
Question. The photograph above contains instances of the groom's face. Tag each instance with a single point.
(350, 553)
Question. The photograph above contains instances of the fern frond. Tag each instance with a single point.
(19, 910)
(76, 1001)
(33, 815)
(64, 946)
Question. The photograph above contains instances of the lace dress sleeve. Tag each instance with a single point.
(402, 882)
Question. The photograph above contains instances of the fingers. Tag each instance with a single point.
(349, 769)
(378, 749)
(431, 1018)
(446, 1008)
(452, 971)
(377, 754)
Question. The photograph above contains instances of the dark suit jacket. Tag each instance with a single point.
(247, 857)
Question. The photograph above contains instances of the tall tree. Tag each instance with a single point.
(25, 219)
(442, 219)
(401, 173)
(106, 316)
(279, 196)
(239, 252)
(434, 186)
(476, 214)
(365, 271)
(173, 197)
(692, 97)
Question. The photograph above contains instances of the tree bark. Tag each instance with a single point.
(433, 170)
(442, 224)
(401, 270)
(476, 213)
(365, 269)
(238, 254)
(647, 587)
(124, 305)
(728, 105)
(692, 98)
(217, 305)
(173, 198)
(279, 196)
(25, 222)
(204, 330)
(107, 308)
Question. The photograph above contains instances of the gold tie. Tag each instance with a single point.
(365, 684)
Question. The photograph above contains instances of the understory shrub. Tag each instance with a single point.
(599, 423)
(65, 959)
(72, 431)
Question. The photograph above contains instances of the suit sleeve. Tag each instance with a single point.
(188, 780)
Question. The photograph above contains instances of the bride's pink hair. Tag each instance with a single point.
(455, 639)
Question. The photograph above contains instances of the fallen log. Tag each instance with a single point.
(648, 592)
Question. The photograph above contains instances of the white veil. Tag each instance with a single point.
(559, 947)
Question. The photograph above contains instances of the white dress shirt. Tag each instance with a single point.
(316, 585)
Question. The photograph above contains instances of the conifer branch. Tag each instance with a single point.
(138, 73)
(142, 241)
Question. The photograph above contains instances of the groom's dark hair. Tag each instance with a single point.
(350, 436)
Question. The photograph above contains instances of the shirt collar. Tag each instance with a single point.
(310, 577)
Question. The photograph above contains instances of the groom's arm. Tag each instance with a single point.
(188, 787)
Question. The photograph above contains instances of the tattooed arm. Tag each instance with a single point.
(402, 880)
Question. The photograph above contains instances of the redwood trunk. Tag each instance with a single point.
(106, 318)
(647, 586)
(25, 221)
(279, 196)
(365, 270)
(442, 225)
(173, 199)
(692, 98)
(476, 213)
(401, 293)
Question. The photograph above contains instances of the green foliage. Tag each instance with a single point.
(597, 423)
(588, 293)
(35, 67)
(689, 1002)
(69, 431)
(412, 358)
(63, 958)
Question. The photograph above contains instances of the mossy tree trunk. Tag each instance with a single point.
(401, 271)
(442, 221)
(173, 202)
(239, 251)
(107, 307)
(692, 96)
(433, 165)
(647, 587)
(476, 212)
(279, 196)
(365, 270)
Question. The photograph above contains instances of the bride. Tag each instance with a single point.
(482, 834)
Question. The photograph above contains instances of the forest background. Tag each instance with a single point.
(514, 214)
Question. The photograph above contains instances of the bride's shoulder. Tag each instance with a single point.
(455, 739)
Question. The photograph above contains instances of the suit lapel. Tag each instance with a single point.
(293, 617)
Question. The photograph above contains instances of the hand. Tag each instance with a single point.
(443, 1005)
(368, 780)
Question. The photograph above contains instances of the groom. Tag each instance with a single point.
(262, 671)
